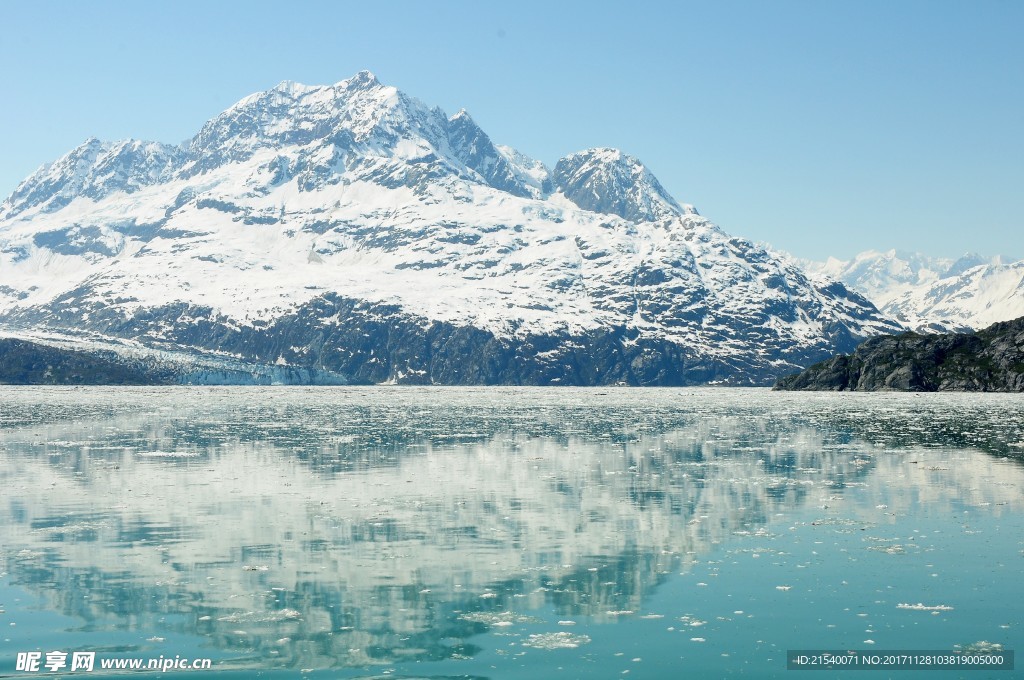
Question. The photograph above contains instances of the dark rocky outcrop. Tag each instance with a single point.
(991, 360)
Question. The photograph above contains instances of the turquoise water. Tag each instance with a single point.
(507, 533)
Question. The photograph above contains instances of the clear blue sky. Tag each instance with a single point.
(820, 127)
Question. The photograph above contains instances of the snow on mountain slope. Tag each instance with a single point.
(354, 229)
(934, 294)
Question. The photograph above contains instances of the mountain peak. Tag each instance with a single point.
(607, 180)
(607, 154)
(292, 88)
(363, 80)
(968, 261)
(471, 146)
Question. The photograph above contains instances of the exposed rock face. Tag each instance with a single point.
(991, 360)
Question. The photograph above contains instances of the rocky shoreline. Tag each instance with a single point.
(990, 360)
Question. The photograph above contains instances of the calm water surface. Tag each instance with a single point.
(507, 533)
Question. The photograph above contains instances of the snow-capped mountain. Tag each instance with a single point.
(353, 229)
(929, 294)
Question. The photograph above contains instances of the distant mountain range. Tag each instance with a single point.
(351, 233)
(929, 294)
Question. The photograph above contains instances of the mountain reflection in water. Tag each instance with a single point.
(323, 528)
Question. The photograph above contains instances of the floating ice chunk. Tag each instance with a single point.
(983, 646)
(167, 454)
(559, 640)
(506, 618)
(889, 549)
(925, 608)
(261, 616)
